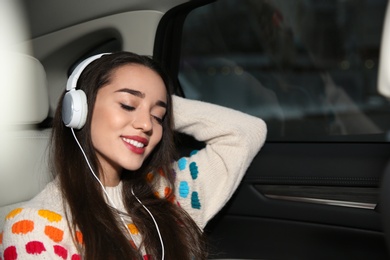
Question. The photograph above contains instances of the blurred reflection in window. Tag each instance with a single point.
(308, 67)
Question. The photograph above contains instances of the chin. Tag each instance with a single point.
(132, 167)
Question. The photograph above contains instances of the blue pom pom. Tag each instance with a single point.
(195, 203)
(193, 152)
(182, 163)
(184, 189)
(194, 170)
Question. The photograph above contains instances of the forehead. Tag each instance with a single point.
(138, 77)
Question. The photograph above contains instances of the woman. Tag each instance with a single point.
(119, 193)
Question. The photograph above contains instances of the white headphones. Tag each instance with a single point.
(74, 104)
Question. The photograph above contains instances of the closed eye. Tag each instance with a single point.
(158, 119)
(130, 108)
(127, 108)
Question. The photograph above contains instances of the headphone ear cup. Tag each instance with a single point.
(74, 109)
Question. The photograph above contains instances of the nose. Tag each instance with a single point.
(143, 121)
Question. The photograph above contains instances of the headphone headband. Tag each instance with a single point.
(74, 104)
(74, 77)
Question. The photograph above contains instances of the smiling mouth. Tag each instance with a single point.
(134, 142)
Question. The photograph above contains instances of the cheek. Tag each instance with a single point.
(97, 124)
(160, 132)
(106, 117)
(103, 124)
(96, 132)
(157, 136)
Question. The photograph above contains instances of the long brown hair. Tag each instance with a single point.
(103, 234)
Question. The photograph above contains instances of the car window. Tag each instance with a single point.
(309, 68)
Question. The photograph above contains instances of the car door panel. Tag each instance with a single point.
(269, 238)
(287, 229)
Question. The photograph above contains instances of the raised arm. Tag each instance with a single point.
(207, 178)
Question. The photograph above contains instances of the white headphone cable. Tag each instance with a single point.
(102, 186)
(113, 204)
(155, 223)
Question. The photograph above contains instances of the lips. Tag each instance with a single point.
(136, 144)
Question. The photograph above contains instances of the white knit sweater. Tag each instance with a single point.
(205, 181)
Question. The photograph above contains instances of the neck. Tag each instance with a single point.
(111, 183)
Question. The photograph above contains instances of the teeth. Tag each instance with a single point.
(133, 142)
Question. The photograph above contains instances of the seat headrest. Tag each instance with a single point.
(25, 97)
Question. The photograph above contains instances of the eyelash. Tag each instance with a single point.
(130, 108)
(127, 108)
(159, 120)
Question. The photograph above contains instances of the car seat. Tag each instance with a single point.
(24, 105)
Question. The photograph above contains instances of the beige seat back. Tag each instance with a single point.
(24, 104)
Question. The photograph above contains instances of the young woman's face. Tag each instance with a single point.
(127, 118)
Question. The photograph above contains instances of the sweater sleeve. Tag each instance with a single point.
(32, 232)
(206, 179)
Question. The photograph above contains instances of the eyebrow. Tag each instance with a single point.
(141, 95)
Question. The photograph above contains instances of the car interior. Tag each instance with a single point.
(316, 71)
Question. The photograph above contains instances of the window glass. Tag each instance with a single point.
(307, 67)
